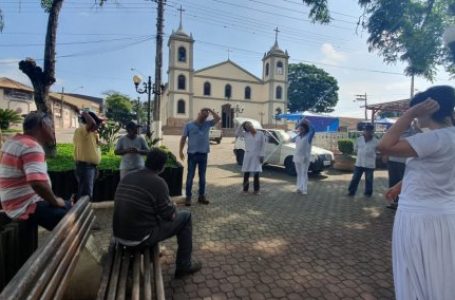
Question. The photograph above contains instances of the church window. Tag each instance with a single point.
(247, 92)
(207, 89)
(279, 68)
(182, 54)
(279, 92)
(181, 82)
(181, 106)
(228, 91)
(267, 69)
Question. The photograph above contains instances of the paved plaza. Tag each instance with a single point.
(282, 245)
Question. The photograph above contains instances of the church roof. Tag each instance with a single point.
(229, 63)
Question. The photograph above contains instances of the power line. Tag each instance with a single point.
(76, 43)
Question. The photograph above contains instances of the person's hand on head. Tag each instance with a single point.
(60, 202)
(425, 108)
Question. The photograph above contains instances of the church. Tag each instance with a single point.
(226, 87)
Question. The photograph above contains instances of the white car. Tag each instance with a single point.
(280, 149)
(215, 135)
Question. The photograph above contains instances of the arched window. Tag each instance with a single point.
(181, 82)
(267, 69)
(182, 54)
(181, 106)
(207, 89)
(247, 92)
(228, 91)
(279, 68)
(279, 92)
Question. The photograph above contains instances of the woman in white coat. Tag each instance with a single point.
(302, 155)
(254, 154)
(423, 242)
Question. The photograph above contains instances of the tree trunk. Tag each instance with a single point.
(43, 80)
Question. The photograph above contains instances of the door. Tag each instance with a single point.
(227, 116)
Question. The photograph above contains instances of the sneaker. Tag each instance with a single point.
(188, 201)
(195, 267)
(203, 200)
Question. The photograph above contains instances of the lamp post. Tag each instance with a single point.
(364, 99)
(146, 89)
(237, 110)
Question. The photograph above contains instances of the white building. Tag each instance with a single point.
(225, 87)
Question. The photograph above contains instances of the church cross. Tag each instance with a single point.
(276, 34)
(181, 10)
(229, 52)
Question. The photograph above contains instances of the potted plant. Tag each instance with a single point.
(346, 160)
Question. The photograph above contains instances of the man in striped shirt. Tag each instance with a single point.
(25, 188)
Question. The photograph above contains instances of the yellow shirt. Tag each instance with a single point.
(86, 146)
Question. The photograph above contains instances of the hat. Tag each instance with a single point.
(132, 125)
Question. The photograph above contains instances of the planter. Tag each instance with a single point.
(64, 183)
(344, 162)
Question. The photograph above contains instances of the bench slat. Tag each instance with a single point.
(107, 267)
(20, 285)
(71, 253)
(121, 294)
(50, 270)
(147, 275)
(160, 295)
(113, 281)
(65, 280)
(135, 295)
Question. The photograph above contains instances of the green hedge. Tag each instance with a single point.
(64, 161)
(346, 146)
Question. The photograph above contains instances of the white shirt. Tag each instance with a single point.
(302, 148)
(366, 152)
(429, 179)
(254, 150)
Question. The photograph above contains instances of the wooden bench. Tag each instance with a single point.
(46, 274)
(132, 273)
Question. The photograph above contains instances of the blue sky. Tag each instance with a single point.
(97, 47)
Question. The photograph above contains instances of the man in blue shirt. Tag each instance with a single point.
(197, 133)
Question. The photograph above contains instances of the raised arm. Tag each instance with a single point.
(216, 117)
(89, 121)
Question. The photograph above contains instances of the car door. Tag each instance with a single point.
(272, 147)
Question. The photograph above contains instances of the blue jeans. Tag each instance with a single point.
(85, 175)
(358, 172)
(200, 160)
(47, 215)
(182, 227)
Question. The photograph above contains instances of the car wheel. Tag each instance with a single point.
(239, 154)
(290, 166)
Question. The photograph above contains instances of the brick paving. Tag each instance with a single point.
(281, 245)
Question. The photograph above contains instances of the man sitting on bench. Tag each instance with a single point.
(25, 188)
(144, 214)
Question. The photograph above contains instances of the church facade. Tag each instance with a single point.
(226, 87)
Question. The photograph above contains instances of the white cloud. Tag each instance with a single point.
(331, 55)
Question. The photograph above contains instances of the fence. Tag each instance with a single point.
(329, 140)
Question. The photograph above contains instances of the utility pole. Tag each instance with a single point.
(158, 65)
(364, 99)
(412, 86)
(61, 108)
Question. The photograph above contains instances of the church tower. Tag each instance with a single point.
(180, 74)
(275, 77)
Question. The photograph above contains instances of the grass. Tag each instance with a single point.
(64, 161)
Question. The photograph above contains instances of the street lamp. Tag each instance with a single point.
(237, 110)
(146, 89)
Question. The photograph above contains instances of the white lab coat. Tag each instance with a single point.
(254, 149)
(302, 158)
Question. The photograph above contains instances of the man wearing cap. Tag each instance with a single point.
(25, 187)
(131, 147)
(365, 146)
(86, 153)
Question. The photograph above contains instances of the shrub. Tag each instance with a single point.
(346, 146)
(109, 134)
(9, 117)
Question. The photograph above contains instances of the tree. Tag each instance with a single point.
(139, 110)
(9, 117)
(311, 88)
(404, 30)
(118, 107)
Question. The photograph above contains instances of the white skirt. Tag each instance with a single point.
(423, 250)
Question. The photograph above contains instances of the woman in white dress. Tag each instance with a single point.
(254, 154)
(423, 243)
(302, 155)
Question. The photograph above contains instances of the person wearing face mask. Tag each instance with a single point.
(197, 133)
(302, 155)
(423, 239)
(254, 154)
(365, 147)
